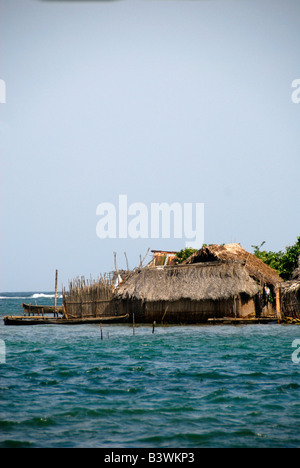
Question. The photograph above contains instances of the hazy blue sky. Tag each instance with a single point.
(164, 101)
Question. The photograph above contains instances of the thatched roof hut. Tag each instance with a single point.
(215, 281)
(254, 266)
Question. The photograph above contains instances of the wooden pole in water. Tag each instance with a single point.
(101, 331)
(55, 297)
(133, 324)
(154, 323)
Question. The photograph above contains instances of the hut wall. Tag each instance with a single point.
(269, 310)
(188, 311)
(253, 307)
(185, 310)
(246, 306)
(290, 301)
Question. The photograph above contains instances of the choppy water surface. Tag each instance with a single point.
(183, 386)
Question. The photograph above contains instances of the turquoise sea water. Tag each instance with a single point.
(181, 386)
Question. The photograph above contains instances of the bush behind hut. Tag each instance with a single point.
(285, 262)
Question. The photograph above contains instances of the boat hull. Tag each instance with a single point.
(41, 309)
(27, 320)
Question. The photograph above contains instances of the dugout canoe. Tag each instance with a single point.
(41, 309)
(40, 320)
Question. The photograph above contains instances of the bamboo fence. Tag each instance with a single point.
(90, 298)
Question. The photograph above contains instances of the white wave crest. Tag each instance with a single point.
(33, 296)
(38, 295)
(13, 297)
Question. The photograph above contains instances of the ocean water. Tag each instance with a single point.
(181, 386)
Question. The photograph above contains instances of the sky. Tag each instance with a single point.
(164, 101)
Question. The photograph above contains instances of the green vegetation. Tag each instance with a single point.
(183, 255)
(284, 262)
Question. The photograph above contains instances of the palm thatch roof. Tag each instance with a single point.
(212, 273)
(211, 281)
(291, 294)
(255, 267)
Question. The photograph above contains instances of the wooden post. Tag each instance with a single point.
(278, 304)
(133, 324)
(166, 309)
(115, 262)
(154, 323)
(55, 297)
(142, 260)
(101, 331)
(65, 315)
(127, 264)
(234, 306)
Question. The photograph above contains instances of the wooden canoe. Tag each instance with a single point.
(241, 320)
(39, 320)
(41, 309)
